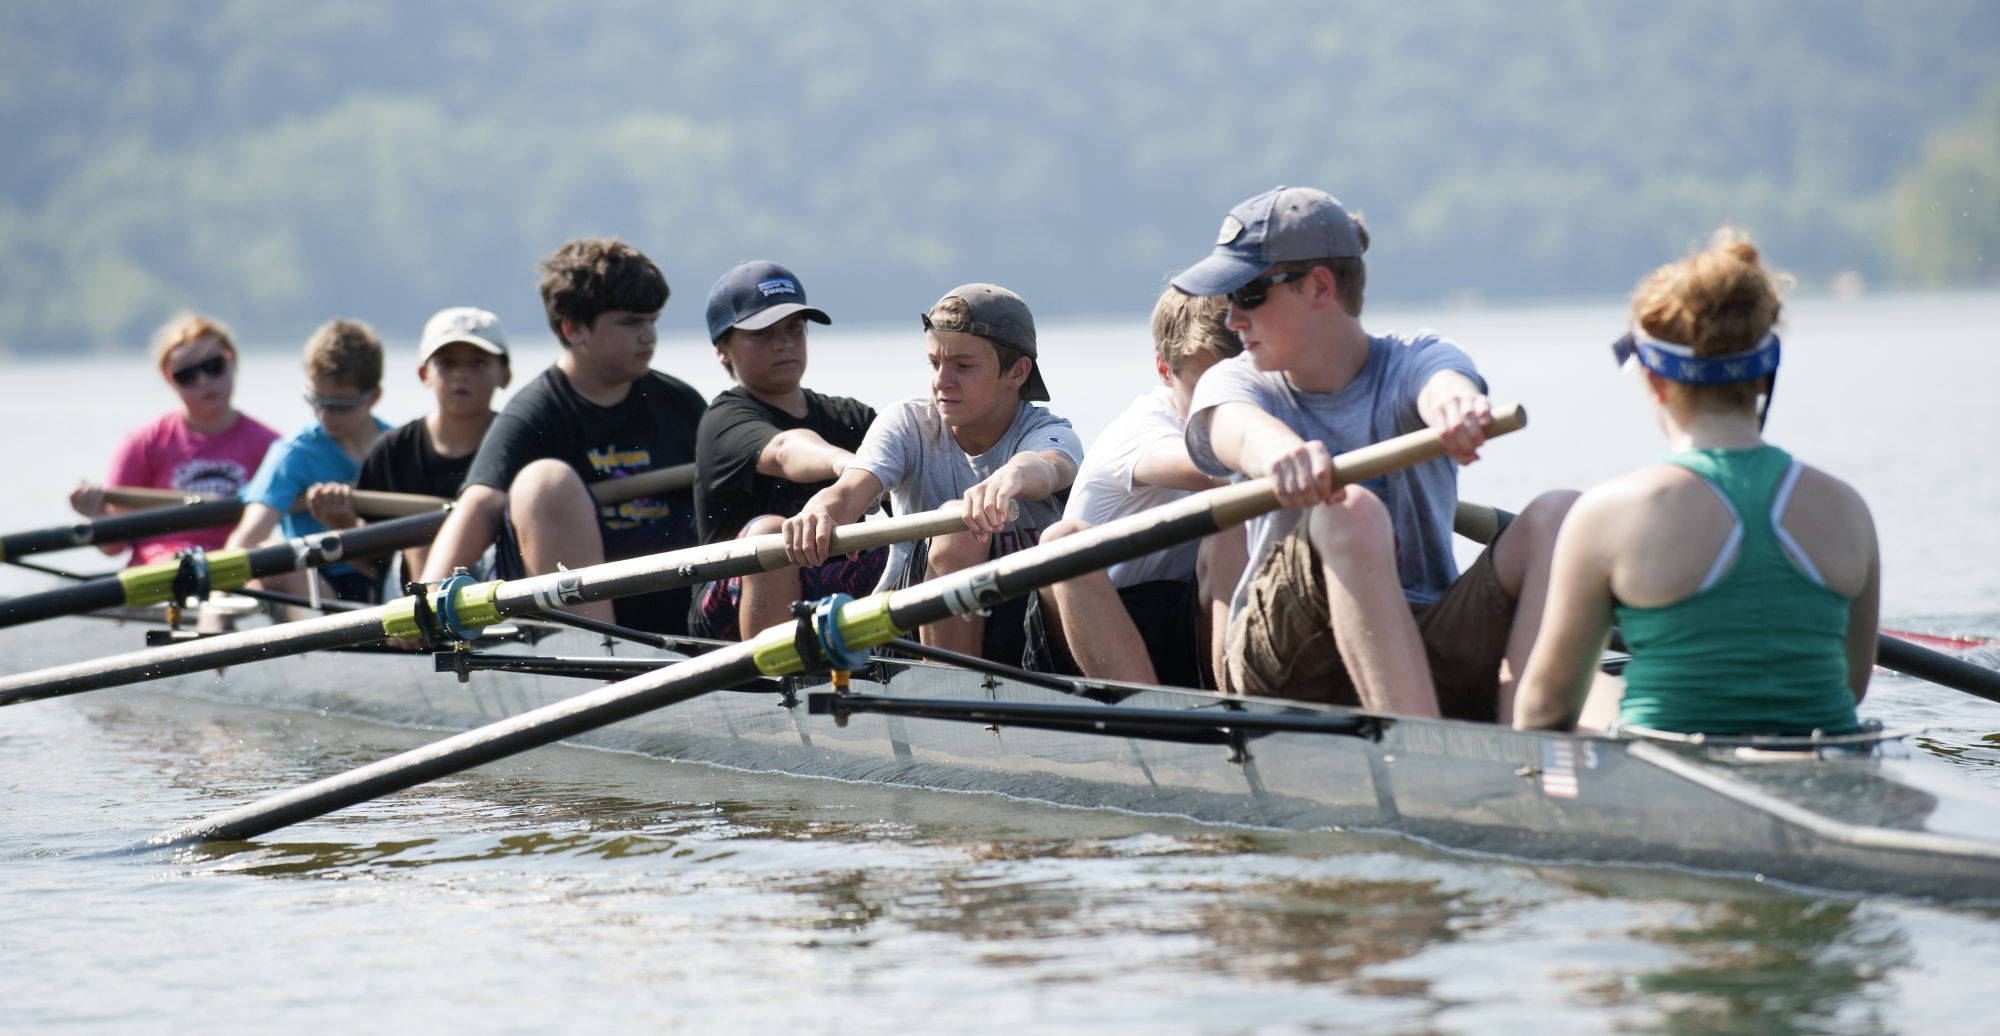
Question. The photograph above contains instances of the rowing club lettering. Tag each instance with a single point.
(616, 462)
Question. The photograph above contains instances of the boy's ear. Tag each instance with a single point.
(506, 373)
(1018, 376)
(424, 374)
(1166, 373)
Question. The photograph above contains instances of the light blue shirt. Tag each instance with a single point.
(294, 464)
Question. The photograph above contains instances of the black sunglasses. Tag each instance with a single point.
(1253, 294)
(213, 367)
(333, 405)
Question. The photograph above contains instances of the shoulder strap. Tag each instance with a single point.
(1779, 501)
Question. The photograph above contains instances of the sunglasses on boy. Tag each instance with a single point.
(213, 367)
(330, 405)
(1253, 294)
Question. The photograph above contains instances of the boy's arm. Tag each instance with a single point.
(254, 527)
(1028, 475)
(472, 526)
(1456, 406)
(801, 455)
(1166, 464)
(809, 533)
(1248, 440)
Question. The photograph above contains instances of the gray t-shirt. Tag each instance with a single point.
(1381, 402)
(920, 463)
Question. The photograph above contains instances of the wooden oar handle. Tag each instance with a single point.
(879, 533)
(368, 503)
(1359, 465)
(659, 480)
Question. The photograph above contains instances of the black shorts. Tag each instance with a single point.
(1167, 612)
(350, 584)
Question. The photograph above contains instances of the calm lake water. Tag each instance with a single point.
(574, 889)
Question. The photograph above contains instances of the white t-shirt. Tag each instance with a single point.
(1104, 491)
(919, 461)
(1380, 403)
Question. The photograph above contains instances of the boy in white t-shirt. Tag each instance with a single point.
(976, 437)
(1149, 619)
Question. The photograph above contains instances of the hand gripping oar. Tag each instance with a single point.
(1482, 523)
(121, 528)
(465, 608)
(143, 585)
(844, 634)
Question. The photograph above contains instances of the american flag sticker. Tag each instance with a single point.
(1559, 763)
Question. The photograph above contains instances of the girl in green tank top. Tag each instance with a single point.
(1746, 583)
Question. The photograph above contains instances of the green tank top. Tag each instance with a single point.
(1757, 650)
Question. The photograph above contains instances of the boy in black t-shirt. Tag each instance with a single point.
(462, 360)
(601, 412)
(766, 446)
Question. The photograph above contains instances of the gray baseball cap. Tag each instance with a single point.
(1279, 225)
(1000, 316)
(462, 324)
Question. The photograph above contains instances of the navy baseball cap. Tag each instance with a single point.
(755, 295)
(1279, 225)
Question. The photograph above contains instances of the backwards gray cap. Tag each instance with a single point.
(1001, 316)
(1279, 225)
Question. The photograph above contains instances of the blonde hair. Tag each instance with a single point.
(1186, 325)
(1718, 301)
(345, 350)
(182, 328)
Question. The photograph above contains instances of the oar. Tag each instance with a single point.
(121, 528)
(1480, 522)
(469, 606)
(143, 585)
(368, 503)
(776, 651)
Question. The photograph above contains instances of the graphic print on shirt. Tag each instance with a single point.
(612, 462)
(208, 476)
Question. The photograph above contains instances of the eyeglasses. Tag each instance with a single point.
(334, 406)
(213, 367)
(1253, 294)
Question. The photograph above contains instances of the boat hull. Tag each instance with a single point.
(1890, 820)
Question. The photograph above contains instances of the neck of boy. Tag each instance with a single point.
(592, 382)
(210, 424)
(980, 434)
(455, 437)
(1339, 359)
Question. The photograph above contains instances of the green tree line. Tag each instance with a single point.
(278, 164)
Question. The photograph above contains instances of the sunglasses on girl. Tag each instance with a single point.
(213, 367)
(1253, 294)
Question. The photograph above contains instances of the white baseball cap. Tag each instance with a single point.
(462, 324)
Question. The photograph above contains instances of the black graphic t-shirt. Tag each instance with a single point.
(402, 461)
(652, 427)
(728, 490)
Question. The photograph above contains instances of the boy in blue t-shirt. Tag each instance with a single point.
(343, 362)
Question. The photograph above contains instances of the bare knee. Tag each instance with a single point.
(1355, 525)
(956, 552)
(763, 525)
(1530, 539)
(544, 484)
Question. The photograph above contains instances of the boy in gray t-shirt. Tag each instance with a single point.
(976, 438)
(1351, 595)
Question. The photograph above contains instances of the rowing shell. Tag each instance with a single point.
(1885, 819)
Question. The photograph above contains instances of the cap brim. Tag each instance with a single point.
(1219, 274)
(472, 340)
(762, 319)
(1034, 390)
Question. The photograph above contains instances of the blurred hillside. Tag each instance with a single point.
(278, 164)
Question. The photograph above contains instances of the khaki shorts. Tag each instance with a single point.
(1282, 644)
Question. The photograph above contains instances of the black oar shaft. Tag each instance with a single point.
(1937, 667)
(542, 726)
(122, 528)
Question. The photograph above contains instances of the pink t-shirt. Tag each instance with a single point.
(167, 454)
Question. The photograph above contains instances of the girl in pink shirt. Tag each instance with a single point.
(206, 447)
